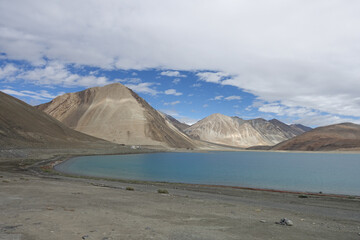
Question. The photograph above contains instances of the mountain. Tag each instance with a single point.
(23, 126)
(291, 130)
(234, 131)
(301, 127)
(334, 137)
(179, 125)
(117, 114)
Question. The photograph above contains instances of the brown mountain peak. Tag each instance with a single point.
(117, 114)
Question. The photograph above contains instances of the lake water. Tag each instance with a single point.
(307, 172)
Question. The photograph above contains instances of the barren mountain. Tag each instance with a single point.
(23, 126)
(301, 127)
(291, 130)
(117, 114)
(179, 125)
(234, 131)
(334, 137)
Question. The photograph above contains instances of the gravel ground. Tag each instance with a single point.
(47, 206)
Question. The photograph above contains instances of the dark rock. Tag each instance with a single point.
(11, 227)
(286, 222)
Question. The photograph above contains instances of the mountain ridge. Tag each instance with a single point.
(343, 136)
(179, 125)
(117, 114)
(234, 131)
(22, 126)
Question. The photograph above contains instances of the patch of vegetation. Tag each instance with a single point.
(5, 181)
(351, 197)
(1, 176)
(47, 169)
(303, 196)
(130, 188)
(163, 191)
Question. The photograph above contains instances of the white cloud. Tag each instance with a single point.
(323, 120)
(180, 118)
(170, 112)
(133, 80)
(55, 73)
(172, 74)
(143, 88)
(305, 116)
(216, 98)
(176, 81)
(196, 85)
(39, 95)
(171, 103)
(213, 77)
(229, 98)
(172, 92)
(8, 71)
(301, 55)
(187, 120)
(282, 110)
(205, 105)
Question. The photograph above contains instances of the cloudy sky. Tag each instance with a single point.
(298, 61)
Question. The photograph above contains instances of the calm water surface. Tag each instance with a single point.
(308, 172)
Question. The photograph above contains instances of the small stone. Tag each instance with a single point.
(263, 221)
(286, 222)
(84, 237)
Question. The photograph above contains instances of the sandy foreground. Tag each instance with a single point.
(36, 205)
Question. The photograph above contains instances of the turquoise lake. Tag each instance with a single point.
(307, 172)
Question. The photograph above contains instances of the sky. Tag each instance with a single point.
(297, 61)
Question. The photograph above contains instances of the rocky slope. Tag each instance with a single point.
(179, 125)
(234, 131)
(23, 126)
(344, 136)
(117, 114)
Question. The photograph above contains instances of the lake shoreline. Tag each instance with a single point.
(41, 204)
(302, 193)
(64, 169)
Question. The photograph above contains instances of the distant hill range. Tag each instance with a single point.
(117, 114)
(23, 126)
(234, 131)
(344, 136)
